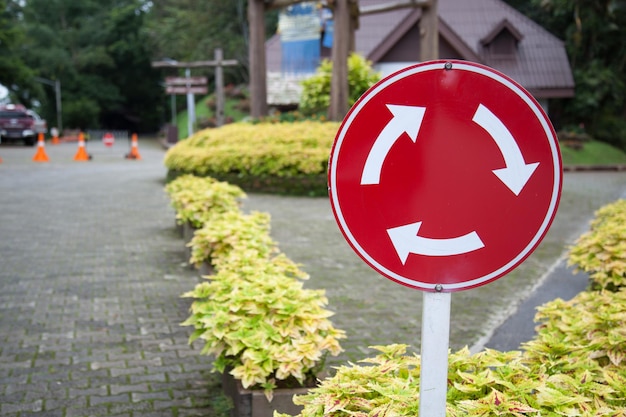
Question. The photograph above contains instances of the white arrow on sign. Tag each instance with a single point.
(406, 241)
(517, 171)
(406, 119)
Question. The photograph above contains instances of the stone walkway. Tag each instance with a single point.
(92, 269)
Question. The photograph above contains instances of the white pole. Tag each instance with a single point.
(191, 105)
(219, 87)
(434, 356)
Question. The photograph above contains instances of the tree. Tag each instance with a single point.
(14, 73)
(99, 52)
(594, 32)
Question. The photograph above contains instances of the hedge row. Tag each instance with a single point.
(253, 314)
(285, 158)
(575, 366)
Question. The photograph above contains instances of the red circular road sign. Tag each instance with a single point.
(445, 176)
(108, 139)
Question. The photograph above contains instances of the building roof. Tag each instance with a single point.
(477, 30)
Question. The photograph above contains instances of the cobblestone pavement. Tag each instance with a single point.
(92, 269)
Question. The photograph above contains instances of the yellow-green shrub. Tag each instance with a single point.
(315, 96)
(255, 317)
(195, 200)
(601, 252)
(489, 383)
(264, 149)
(575, 366)
(254, 314)
(232, 234)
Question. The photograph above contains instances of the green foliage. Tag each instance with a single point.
(315, 96)
(99, 51)
(601, 252)
(255, 154)
(229, 235)
(484, 384)
(190, 30)
(255, 317)
(590, 327)
(14, 74)
(575, 366)
(592, 153)
(197, 200)
(594, 34)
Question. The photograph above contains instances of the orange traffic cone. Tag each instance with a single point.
(81, 153)
(134, 150)
(55, 140)
(40, 155)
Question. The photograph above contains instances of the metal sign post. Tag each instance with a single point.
(434, 353)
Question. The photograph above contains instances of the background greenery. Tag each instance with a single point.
(101, 51)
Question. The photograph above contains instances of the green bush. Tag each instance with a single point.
(315, 96)
(601, 252)
(195, 200)
(288, 158)
(575, 366)
(232, 234)
(489, 383)
(253, 315)
(256, 318)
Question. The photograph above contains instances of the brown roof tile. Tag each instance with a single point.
(540, 63)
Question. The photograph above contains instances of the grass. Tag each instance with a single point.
(593, 153)
(204, 112)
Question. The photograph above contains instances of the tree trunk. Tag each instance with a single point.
(341, 46)
(429, 31)
(258, 68)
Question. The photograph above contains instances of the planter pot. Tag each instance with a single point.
(253, 403)
(206, 269)
(188, 232)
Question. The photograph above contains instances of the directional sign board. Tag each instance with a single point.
(445, 176)
(181, 89)
(186, 80)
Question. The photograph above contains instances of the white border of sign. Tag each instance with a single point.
(532, 104)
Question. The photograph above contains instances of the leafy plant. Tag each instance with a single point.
(484, 384)
(232, 234)
(256, 318)
(256, 150)
(601, 252)
(195, 199)
(575, 366)
(316, 89)
(590, 326)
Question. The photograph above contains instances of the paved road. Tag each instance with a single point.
(92, 267)
(91, 270)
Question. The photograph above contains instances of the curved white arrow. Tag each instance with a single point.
(517, 171)
(406, 241)
(406, 119)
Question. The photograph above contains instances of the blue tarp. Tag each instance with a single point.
(299, 27)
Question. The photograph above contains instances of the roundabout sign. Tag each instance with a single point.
(445, 176)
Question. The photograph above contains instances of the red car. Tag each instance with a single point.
(17, 123)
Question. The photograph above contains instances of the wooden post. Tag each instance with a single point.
(339, 55)
(429, 31)
(256, 52)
